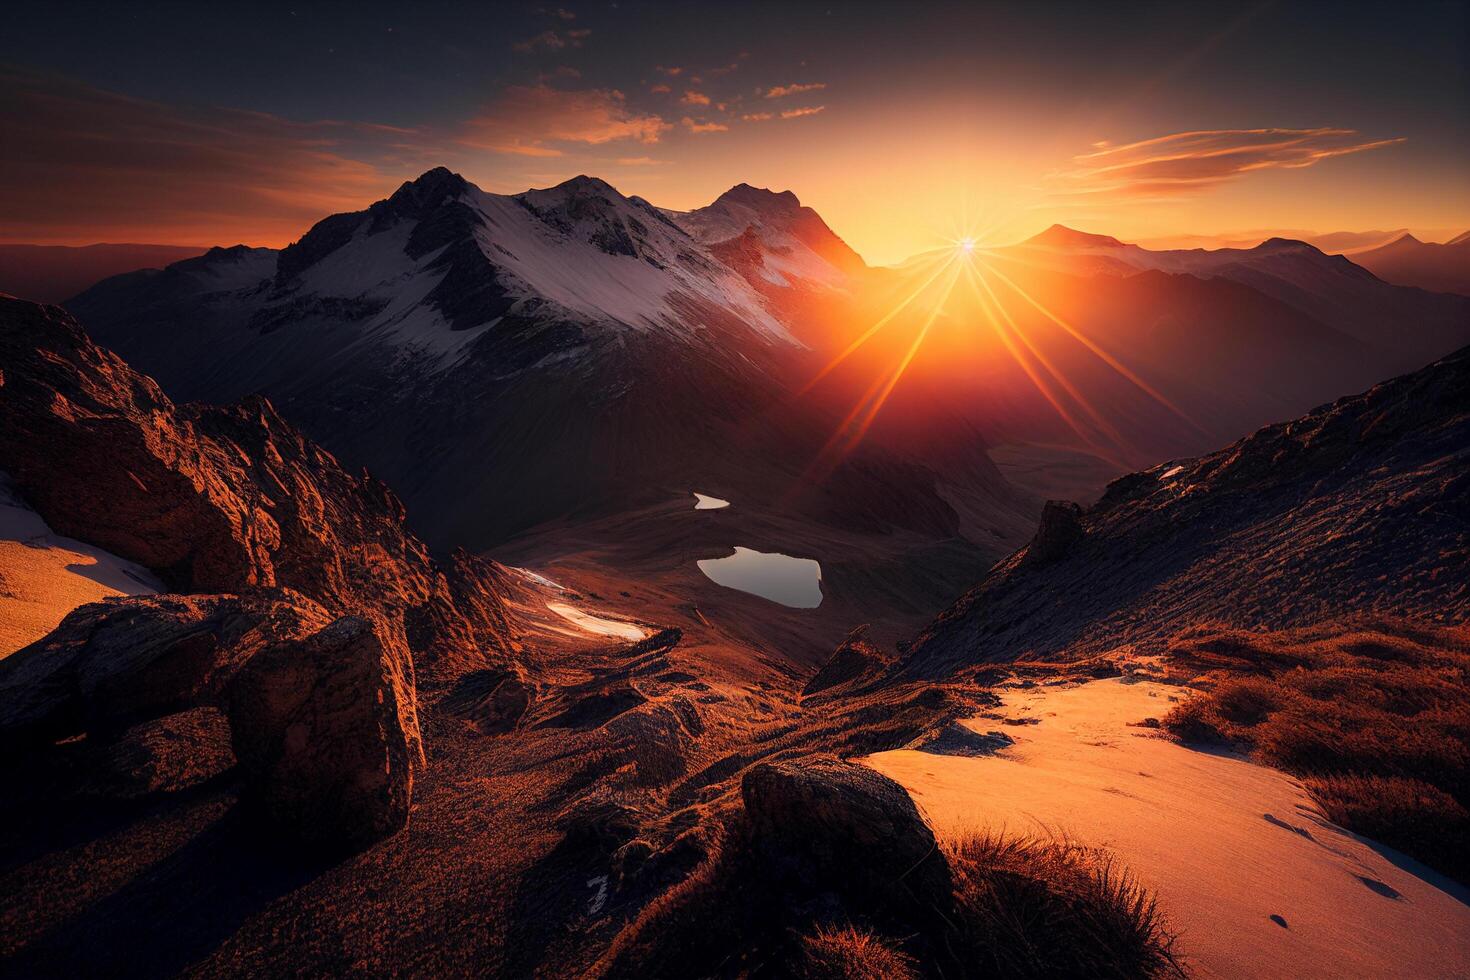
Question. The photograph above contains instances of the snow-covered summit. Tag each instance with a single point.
(794, 244)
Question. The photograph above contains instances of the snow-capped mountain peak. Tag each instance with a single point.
(772, 238)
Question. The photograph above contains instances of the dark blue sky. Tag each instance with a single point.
(1049, 77)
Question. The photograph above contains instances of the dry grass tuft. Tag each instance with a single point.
(1028, 907)
(1375, 718)
(849, 953)
(1021, 908)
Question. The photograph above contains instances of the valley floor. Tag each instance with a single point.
(1254, 879)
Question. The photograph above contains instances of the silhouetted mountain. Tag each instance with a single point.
(1407, 328)
(1410, 262)
(53, 273)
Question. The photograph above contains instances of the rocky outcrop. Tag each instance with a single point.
(326, 730)
(221, 499)
(492, 701)
(825, 824)
(1059, 529)
(164, 755)
(111, 664)
(304, 600)
(855, 664)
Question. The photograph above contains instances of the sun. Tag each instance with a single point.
(966, 244)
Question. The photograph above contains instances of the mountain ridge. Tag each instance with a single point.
(1281, 529)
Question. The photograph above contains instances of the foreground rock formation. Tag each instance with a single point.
(327, 732)
(303, 599)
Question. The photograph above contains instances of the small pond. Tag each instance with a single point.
(794, 582)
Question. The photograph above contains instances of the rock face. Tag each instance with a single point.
(269, 541)
(827, 823)
(852, 666)
(1362, 506)
(326, 730)
(220, 499)
(1060, 528)
(113, 663)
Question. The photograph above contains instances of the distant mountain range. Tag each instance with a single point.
(569, 352)
(509, 360)
(55, 273)
(1410, 262)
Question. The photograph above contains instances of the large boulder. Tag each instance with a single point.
(326, 731)
(124, 660)
(825, 825)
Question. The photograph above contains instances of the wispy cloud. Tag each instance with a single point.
(99, 166)
(703, 127)
(1182, 164)
(692, 97)
(810, 110)
(781, 91)
(529, 120)
(758, 116)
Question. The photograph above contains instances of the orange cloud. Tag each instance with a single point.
(703, 127)
(673, 70)
(692, 97)
(781, 91)
(98, 166)
(757, 116)
(525, 120)
(1182, 164)
(810, 110)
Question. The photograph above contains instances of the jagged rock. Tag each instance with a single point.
(221, 499)
(852, 665)
(326, 731)
(493, 701)
(959, 739)
(1059, 530)
(164, 755)
(113, 663)
(97, 450)
(829, 825)
(463, 625)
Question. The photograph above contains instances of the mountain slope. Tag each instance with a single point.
(1361, 507)
(1407, 327)
(1410, 262)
